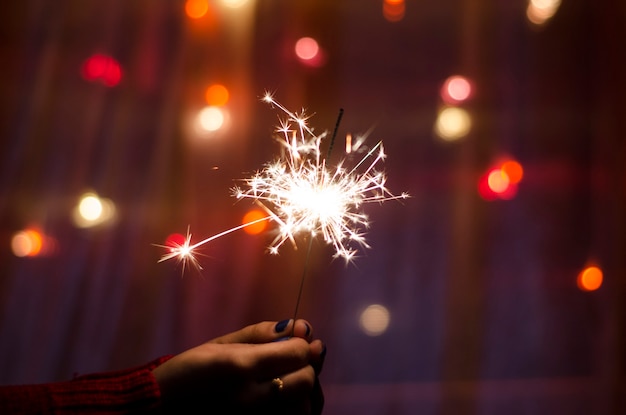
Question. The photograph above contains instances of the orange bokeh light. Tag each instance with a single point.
(27, 243)
(217, 95)
(252, 216)
(590, 279)
(513, 170)
(393, 10)
(33, 242)
(196, 9)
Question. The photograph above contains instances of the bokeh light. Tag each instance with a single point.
(32, 242)
(394, 10)
(196, 9)
(26, 242)
(309, 52)
(498, 181)
(501, 182)
(513, 170)
(175, 240)
(453, 123)
(217, 95)
(539, 12)
(374, 320)
(102, 68)
(307, 48)
(251, 216)
(484, 190)
(92, 210)
(211, 118)
(90, 207)
(590, 278)
(234, 4)
(456, 89)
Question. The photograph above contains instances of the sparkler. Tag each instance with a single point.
(303, 195)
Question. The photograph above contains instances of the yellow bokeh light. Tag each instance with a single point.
(92, 210)
(252, 216)
(374, 320)
(590, 279)
(217, 95)
(90, 207)
(453, 123)
(196, 9)
(234, 3)
(540, 11)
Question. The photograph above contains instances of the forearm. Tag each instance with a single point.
(123, 392)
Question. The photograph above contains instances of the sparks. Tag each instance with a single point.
(303, 195)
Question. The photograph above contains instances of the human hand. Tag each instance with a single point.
(235, 373)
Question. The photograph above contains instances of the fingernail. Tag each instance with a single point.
(308, 329)
(282, 339)
(281, 325)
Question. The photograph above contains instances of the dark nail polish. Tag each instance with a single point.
(308, 329)
(281, 325)
(282, 339)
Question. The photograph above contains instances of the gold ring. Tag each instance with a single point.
(278, 384)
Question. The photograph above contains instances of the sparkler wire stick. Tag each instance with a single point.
(308, 252)
(332, 140)
(304, 271)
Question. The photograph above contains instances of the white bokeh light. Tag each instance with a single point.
(211, 118)
(374, 320)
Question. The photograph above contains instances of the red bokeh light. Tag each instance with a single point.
(102, 68)
(175, 240)
(456, 89)
(309, 52)
(484, 190)
(501, 182)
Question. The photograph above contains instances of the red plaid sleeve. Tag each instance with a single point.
(122, 392)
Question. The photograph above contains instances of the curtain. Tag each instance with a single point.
(483, 309)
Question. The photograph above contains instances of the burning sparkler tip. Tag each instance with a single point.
(300, 193)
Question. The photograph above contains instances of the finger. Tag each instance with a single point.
(263, 332)
(317, 398)
(268, 360)
(303, 330)
(292, 393)
(318, 355)
(296, 386)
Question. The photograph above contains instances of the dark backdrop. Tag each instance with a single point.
(486, 316)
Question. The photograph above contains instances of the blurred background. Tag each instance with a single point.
(498, 287)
